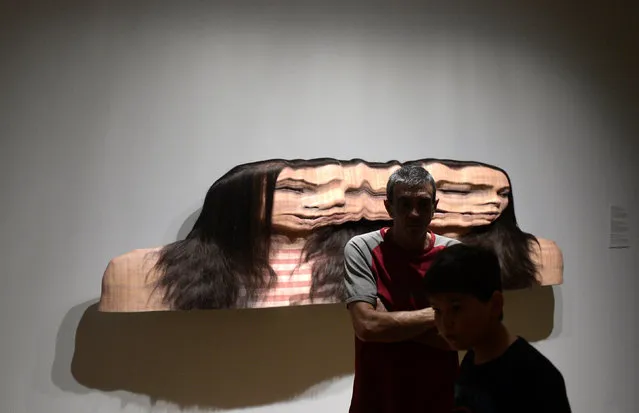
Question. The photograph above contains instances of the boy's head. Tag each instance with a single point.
(464, 288)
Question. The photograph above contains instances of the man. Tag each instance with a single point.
(401, 364)
(501, 373)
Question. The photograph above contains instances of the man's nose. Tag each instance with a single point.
(413, 212)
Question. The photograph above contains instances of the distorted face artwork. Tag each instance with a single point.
(272, 233)
(469, 196)
(308, 198)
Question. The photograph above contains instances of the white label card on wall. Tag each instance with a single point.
(619, 228)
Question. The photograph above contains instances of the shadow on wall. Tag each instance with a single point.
(215, 359)
(64, 350)
(188, 225)
(230, 358)
(530, 313)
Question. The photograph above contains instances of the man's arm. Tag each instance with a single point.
(430, 337)
(372, 325)
(368, 323)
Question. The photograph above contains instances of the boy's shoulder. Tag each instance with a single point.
(520, 372)
(523, 357)
(529, 356)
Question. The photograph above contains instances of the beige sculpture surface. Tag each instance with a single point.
(272, 233)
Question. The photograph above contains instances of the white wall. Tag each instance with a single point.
(116, 117)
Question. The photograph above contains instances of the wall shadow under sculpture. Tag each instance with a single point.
(240, 358)
(216, 359)
(272, 233)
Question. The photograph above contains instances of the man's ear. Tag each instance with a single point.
(389, 207)
(497, 303)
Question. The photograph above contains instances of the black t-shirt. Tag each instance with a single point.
(521, 380)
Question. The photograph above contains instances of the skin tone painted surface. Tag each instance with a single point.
(128, 283)
(309, 198)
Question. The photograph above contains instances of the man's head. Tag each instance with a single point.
(464, 288)
(411, 202)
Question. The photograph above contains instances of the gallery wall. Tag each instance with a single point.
(116, 117)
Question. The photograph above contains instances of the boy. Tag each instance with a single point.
(500, 372)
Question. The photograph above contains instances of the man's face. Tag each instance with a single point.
(411, 209)
(463, 320)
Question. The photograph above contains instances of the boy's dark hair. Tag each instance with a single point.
(464, 269)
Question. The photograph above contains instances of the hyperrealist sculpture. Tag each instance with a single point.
(272, 233)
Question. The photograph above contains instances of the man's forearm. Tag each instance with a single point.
(397, 326)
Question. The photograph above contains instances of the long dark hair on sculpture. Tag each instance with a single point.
(228, 248)
(224, 261)
(513, 246)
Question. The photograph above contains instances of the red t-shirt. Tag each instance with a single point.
(400, 377)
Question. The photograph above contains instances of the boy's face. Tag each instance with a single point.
(463, 320)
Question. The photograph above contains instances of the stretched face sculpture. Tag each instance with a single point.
(288, 249)
(308, 198)
(469, 196)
